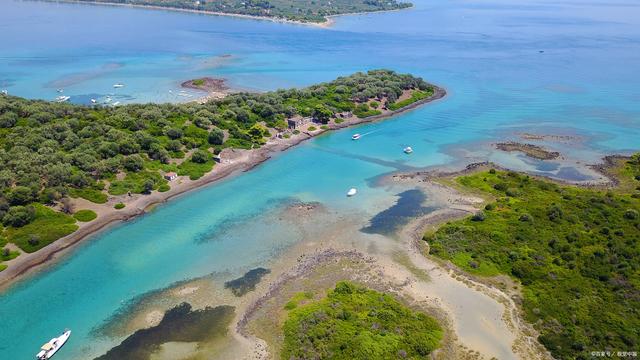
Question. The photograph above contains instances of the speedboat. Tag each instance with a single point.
(62, 98)
(408, 150)
(118, 85)
(50, 348)
(356, 136)
(352, 192)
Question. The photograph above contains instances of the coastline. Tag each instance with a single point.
(244, 160)
(326, 24)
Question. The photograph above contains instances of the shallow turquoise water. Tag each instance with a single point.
(487, 55)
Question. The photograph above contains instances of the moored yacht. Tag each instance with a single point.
(352, 192)
(408, 150)
(50, 348)
(62, 98)
(118, 85)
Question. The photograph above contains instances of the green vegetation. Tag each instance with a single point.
(142, 182)
(46, 227)
(85, 215)
(353, 322)
(199, 164)
(363, 111)
(93, 195)
(305, 11)
(198, 82)
(6, 255)
(575, 251)
(53, 151)
(119, 206)
(416, 95)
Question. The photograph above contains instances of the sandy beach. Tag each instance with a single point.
(233, 162)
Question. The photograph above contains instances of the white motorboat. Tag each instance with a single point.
(62, 98)
(4, 92)
(118, 85)
(356, 136)
(50, 348)
(352, 192)
(408, 150)
(93, 101)
(60, 90)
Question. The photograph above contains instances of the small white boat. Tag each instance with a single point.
(50, 348)
(352, 192)
(62, 98)
(408, 150)
(60, 90)
(93, 101)
(118, 85)
(356, 136)
(4, 92)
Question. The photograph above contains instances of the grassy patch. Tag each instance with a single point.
(366, 114)
(353, 322)
(574, 250)
(195, 170)
(119, 206)
(48, 226)
(93, 195)
(416, 95)
(134, 182)
(10, 255)
(85, 215)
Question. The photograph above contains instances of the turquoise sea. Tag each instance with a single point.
(567, 67)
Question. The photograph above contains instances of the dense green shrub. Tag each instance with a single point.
(85, 215)
(353, 322)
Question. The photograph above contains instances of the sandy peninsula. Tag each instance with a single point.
(232, 161)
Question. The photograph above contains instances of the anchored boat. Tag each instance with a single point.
(62, 98)
(50, 348)
(118, 85)
(352, 192)
(408, 150)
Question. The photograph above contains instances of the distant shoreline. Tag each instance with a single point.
(324, 24)
(243, 161)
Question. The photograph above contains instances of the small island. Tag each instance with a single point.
(288, 10)
(534, 151)
(206, 84)
(69, 170)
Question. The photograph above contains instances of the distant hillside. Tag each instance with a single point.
(297, 10)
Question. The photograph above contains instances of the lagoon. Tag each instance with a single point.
(583, 84)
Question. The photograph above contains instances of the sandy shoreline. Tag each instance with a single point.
(243, 160)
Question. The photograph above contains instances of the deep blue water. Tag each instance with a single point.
(488, 55)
